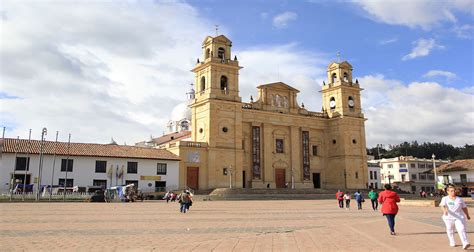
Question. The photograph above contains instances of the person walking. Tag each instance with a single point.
(347, 198)
(340, 198)
(358, 197)
(389, 199)
(373, 196)
(454, 210)
(184, 200)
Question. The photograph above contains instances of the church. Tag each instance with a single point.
(271, 141)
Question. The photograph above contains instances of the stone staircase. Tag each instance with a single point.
(266, 194)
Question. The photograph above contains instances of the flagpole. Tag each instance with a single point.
(44, 132)
(67, 164)
(14, 167)
(27, 167)
(54, 164)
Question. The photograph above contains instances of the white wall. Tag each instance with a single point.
(456, 176)
(375, 179)
(84, 171)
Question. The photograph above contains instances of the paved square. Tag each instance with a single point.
(307, 225)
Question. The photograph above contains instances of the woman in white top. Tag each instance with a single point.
(347, 197)
(454, 209)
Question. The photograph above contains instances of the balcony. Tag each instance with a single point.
(462, 181)
(192, 144)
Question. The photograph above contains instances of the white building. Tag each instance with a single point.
(373, 168)
(459, 173)
(85, 165)
(409, 173)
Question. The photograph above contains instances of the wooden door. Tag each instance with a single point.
(280, 178)
(192, 178)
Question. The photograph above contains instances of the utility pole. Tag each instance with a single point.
(44, 132)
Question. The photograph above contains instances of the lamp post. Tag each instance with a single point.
(389, 178)
(44, 132)
(434, 169)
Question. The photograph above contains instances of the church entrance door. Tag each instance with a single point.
(280, 178)
(192, 178)
(317, 180)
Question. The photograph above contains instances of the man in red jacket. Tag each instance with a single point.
(389, 199)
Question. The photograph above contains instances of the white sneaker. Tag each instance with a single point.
(465, 247)
(452, 245)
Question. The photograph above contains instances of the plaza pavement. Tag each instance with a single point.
(306, 225)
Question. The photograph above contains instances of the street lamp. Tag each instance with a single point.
(434, 169)
(44, 132)
(389, 178)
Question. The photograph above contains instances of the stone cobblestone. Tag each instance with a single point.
(307, 225)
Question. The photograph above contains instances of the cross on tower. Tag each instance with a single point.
(338, 56)
(217, 29)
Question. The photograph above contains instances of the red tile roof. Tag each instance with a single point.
(458, 165)
(11, 145)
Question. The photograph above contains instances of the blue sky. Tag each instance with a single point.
(332, 26)
(120, 69)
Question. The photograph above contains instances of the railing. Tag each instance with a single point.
(462, 181)
(46, 196)
(247, 105)
(193, 144)
(317, 114)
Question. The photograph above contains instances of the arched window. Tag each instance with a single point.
(208, 53)
(184, 125)
(346, 77)
(221, 53)
(333, 78)
(332, 103)
(203, 84)
(350, 102)
(224, 84)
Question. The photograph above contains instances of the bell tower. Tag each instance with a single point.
(217, 74)
(341, 96)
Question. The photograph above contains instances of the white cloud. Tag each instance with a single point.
(264, 15)
(281, 21)
(435, 73)
(106, 69)
(422, 48)
(98, 70)
(417, 13)
(388, 41)
(302, 70)
(423, 111)
(464, 31)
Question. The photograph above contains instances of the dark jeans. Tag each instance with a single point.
(391, 221)
(348, 203)
(375, 204)
(359, 204)
(184, 207)
(341, 203)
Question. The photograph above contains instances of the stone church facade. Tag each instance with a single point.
(272, 141)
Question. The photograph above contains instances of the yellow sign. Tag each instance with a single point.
(150, 178)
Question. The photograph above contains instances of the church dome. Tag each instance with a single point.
(181, 112)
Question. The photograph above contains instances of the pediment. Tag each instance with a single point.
(219, 39)
(343, 64)
(278, 86)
